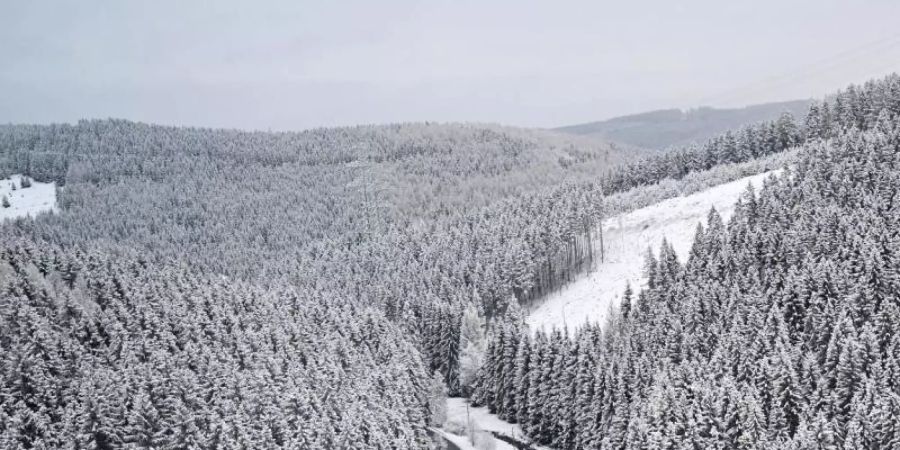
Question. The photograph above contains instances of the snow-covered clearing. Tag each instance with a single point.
(626, 238)
(481, 419)
(589, 298)
(40, 197)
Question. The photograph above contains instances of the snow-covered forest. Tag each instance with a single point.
(779, 330)
(400, 226)
(209, 288)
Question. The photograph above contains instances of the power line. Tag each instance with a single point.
(811, 70)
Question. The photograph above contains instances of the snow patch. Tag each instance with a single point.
(25, 202)
(626, 238)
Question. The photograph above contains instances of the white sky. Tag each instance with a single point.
(300, 64)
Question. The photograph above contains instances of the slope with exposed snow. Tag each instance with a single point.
(23, 202)
(590, 298)
(626, 239)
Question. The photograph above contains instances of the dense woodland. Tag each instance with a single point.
(218, 258)
(404, 223)
(857, 106)
(781, 330)
(103, 353)
(288, 206)
(753, 141)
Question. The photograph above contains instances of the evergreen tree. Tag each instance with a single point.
(472, 348)
(625, 306)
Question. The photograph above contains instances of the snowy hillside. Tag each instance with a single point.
(627, 237)
(40, 197)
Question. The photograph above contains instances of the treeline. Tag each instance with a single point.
(104, 354)
(751, 142)
(856, 106)
(780, 331)
(495, 259)
(543, 383)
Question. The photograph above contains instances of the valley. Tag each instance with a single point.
(399, 286)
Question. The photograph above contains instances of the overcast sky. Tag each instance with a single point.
(301, 64)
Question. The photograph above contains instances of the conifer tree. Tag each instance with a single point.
(625, 306)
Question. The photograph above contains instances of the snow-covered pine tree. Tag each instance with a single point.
(472, 348)
(625, 305)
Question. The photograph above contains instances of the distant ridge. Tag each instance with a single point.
(669, 127)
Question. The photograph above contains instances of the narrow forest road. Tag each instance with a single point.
(459, 412)
(445, 438)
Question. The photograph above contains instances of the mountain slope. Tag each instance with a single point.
(671, 127)
(626, 238)
(784, 322)
(277, 194)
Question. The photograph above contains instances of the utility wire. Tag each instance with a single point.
(812, 70)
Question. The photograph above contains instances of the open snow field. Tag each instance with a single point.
(40, 197)
(626, 238)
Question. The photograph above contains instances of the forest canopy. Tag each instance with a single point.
(314, 289)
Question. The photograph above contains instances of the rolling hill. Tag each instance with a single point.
(658, 130)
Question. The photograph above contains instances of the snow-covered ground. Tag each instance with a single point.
(589, 298)
(626, 238)
(40, 197)
(482, 420)
(461, 442)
